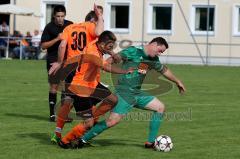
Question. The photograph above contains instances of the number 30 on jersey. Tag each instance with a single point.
(79, 41)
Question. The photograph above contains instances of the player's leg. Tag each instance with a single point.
(113, 120)
(52, 98)
(158, 107)
(108, 101)
(105, 106)
(52, 95)
(66, 99)
(152, 103)
(64, 74)
(82, 127)
(118, 112)
(84, 112)
(62, 115)
(85, 104)
(76, 132)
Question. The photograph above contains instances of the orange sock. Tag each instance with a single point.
(62, 116)
(75, 133)
(103, 108)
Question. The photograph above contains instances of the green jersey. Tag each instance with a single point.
(137, 58)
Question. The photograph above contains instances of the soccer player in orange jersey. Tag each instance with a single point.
(77, 36)
(86, 89)
(74, 39)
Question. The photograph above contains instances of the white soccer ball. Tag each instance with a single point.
(163, 143)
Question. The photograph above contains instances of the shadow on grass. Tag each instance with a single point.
(43, 138)
(118, 142)
(28, 116)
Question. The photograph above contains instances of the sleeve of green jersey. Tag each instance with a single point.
(128, 53)
(157, 65)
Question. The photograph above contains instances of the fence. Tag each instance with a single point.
(20, 43)
(176, 54)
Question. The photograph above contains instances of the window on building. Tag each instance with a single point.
(5, 2)
(118, 15)
(238, 15)
(4, 17)
(201, 19)
(236, 20)
(49, 12)
(162, 18)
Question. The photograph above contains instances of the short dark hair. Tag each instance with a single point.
(91, 15)
(106, 37)
(160, 41)
(59, 8)
(100, 7)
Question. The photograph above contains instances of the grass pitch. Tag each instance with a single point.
(204, 123)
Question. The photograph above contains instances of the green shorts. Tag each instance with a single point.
(127, 101)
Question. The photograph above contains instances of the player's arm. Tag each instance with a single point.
(113, 69)
(61, 53)
(100, 23)
(47, 44)
(103, 64)
(72, 60)
(123, 55)
(115, 58)
(167, 73)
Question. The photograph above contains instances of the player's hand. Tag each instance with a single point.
(181, 87)
(54, 68)
(97, 11)
(59, 37)
(109, 60)
(116, 58)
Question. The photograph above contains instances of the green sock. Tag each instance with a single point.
(155, 123)
(95, 131)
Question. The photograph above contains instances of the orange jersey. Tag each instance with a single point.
(78, 36)
(87, 75)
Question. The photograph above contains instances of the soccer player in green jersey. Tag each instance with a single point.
(129, 90)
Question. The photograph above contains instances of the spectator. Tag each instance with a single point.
(36, 39)
(3, 45)
(17, 43)
(14, 44)
(4, 28)
(26, 46)
(29, 38)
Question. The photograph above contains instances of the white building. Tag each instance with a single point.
(194, 36)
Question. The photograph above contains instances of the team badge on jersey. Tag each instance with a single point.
(142, 68)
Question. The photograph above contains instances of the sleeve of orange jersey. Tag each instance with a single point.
(65, 34)
(93, 59)
(91, 30)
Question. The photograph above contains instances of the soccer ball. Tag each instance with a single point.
(163, 143)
